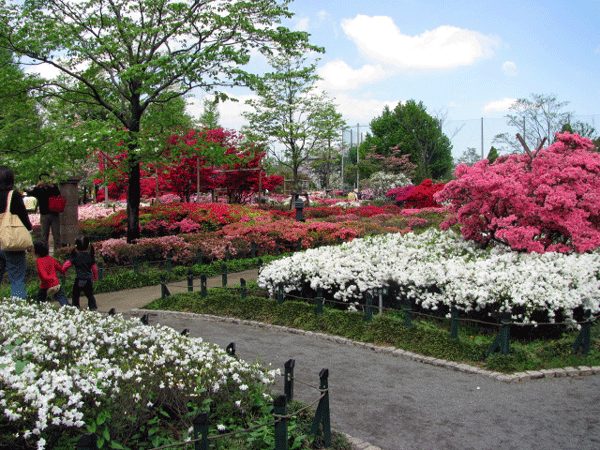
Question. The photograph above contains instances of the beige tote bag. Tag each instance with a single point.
(14, 236)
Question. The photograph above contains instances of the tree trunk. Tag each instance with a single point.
(133, 200)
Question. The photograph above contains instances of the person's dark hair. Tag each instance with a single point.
(82, 243)
(7, 178)
(40, 248)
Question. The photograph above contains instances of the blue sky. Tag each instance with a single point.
(465, 59)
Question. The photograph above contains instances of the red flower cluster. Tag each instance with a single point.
(422, 195)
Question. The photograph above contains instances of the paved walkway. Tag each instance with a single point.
(386, 399)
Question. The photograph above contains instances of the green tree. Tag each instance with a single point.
(413, 131)
(492, 155)
(328, 155)
(210, 114)
(127, 56)
(20, 124)
(290, 115)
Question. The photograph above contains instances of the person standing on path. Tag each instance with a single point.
(13, 262)
(86, 271)
(43, 190)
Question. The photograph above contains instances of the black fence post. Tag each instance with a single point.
(322, 416)
(407, 313)
(164, 290)
(319, 301)
(230, 349)
(200, 424)
(243, 287)
(454, 323)
(280, 410)
(100, 272)
(288, 380)
(202, 286)
(88, 441)
(224, 274)
(136, 264)
(190, 280)
(583, 339)
(280, 293)
(368, 307)
(502, 341)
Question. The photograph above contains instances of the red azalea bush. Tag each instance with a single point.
(422, 195)
(400, 194)
(287, 232)
(548, 200)
(173, 218)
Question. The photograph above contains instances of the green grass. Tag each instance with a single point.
(425, 337)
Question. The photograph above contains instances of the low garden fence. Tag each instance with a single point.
(320, 427)
(500, 344)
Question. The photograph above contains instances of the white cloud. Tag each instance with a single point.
(337, 75)
(360, 110)
(322, 15)
(444, 47)
(499, 105)
(510, 68)
(302, 24)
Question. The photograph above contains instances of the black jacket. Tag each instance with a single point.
(43, 193)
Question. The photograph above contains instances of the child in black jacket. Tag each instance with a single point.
(86, 271)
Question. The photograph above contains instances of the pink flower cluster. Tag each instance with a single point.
(546, 201)
(146, 249)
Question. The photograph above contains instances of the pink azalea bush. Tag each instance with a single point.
(118, 251)
(544, 202)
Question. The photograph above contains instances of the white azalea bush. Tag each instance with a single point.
(65, 372)
(439, 269)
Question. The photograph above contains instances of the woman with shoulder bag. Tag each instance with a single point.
(13, 261)
(43, 191)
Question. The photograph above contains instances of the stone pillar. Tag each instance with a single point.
(69, 227)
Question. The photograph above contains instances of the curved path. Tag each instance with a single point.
(388, 400)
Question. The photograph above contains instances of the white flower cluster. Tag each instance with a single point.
(59, 365)
(440, 268)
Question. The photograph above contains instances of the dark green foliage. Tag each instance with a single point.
(410, 128)
(425, 337)
(492, 155)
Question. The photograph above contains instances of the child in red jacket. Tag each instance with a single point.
(47, 267)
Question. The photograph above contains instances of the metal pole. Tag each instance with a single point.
(357, 153)
(482, 139)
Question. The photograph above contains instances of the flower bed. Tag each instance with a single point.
(113, 377)
(173, 218)
(440, 269)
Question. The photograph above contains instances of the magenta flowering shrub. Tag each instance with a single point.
(548, 200)
(400, 194)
